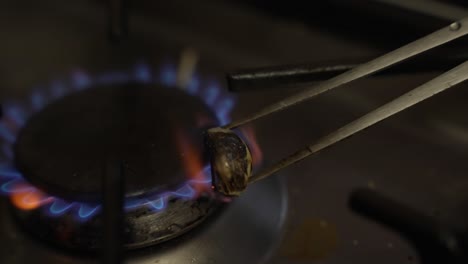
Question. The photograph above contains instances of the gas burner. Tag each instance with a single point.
(155, 129)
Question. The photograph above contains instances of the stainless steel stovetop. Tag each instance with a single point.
(301, 215)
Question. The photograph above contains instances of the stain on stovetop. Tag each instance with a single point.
(312, 240)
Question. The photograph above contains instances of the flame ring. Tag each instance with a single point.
(12, 182)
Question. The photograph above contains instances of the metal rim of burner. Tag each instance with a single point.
(143, 227)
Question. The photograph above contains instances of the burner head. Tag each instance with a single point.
(63, 149)
(231, 161)
(155, 130)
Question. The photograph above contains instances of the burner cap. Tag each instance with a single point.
(64, 148)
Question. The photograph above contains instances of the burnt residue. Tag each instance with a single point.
(142, 227)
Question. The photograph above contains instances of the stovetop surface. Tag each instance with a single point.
(417, 157)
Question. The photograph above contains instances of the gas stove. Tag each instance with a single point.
(100, 132)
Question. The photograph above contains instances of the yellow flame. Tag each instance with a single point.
(29, 200)
(191, 159)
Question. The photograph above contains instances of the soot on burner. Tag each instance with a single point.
(156, 132)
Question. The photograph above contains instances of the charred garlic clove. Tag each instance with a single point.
(231, 162)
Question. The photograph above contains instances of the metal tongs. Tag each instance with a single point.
(234, 173)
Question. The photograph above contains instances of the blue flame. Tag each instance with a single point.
(8, 174)
(193, 86)
(11, 186)
(14, 113)
(168, 75)
(6, 134)
(87, 210)
(143, 73)
(11, 180)
(211, 94)
(81, 80)
(133, 203)
(57, 89)
(223, 110)
(59, 207)
(37, 100)
(186, 192)
(158, 204)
